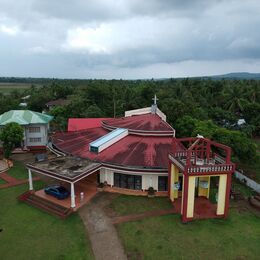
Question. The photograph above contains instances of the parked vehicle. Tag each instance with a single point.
(57, 191)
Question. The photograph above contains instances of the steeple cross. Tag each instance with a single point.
(155, 99)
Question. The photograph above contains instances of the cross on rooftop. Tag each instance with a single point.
(155, 99)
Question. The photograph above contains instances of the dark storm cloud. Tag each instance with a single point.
(93, 10)
(90, 37)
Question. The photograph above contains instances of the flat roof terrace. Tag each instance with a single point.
(67, 168)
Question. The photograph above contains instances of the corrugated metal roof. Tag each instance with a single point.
(76, 124)
(146, 122)
(133, 150)
(24, 117)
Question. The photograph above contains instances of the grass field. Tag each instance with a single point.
(7, 88)
(18, 171)
(166, 237)
(2, 181)
(29, 233)
(124, 205)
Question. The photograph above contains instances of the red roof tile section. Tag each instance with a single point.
(140, 123)
(77, 124)
(133, 150)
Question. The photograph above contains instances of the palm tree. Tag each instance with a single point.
(235, 98)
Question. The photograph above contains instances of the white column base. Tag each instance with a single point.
(72, 195)
(30, 180)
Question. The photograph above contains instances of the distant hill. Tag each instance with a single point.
(236, 75)
(47, 81)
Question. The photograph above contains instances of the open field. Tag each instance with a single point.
(7, 88)
(166, 237)
(29, 233)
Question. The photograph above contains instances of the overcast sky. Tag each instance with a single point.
(128, 38)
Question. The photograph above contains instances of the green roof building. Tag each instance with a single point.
(35, 124)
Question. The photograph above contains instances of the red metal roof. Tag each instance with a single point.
(133, 150)
(146, 122)
(76, 124)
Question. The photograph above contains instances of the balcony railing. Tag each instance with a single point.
(208, 168)
(214, 165)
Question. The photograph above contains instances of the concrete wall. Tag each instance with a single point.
(107, 175)
(145, 110)
(140, 111)
(250, 183)
(43, 134)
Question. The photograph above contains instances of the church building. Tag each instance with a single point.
(136, 154)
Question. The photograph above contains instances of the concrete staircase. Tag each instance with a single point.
(45, 205)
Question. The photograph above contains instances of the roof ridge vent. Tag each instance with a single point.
(107, 140)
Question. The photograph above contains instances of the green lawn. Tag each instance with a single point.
(124, 205)
(29, 233)
(18, 171)
(2, 181)
(166, 237)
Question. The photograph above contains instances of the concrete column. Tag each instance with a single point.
(191, 195)
(174, 178)
(222, 194)
(30, 180)
(72, 195)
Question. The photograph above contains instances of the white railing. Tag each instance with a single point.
(210, 168)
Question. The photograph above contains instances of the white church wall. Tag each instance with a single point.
(140, 111)
(148, 179)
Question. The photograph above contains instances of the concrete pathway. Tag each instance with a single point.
(11, 181)
(101, 231)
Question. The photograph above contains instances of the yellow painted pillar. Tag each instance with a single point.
(172, 182)
(183, 178)
(201, 190)
(222, 194)
(191, 197)
(174, 179)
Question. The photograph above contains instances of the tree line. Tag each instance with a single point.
(205, 106)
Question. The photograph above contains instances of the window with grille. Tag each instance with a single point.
(34, 129)
(35, 139)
